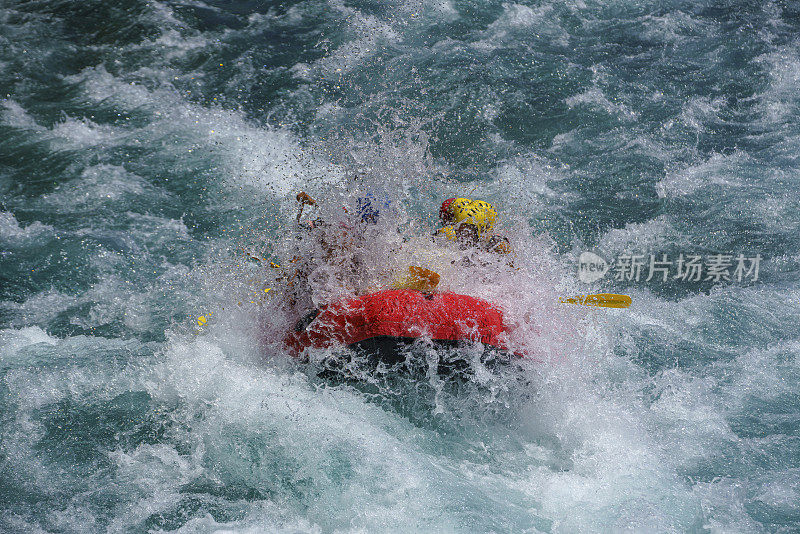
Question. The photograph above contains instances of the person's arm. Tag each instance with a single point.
(498, 244)
(304, 199)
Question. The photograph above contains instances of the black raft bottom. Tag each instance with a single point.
(418, 357)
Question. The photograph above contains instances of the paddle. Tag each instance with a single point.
(603, 300)
(425, 280)
(304, 200)
(418, 279)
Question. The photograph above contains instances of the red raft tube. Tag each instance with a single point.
(388, 320)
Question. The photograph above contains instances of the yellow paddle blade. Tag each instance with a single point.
(604, 300)
(418, 279)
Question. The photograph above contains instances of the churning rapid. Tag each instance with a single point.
(150, 154)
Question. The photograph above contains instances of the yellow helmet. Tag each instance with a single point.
(473, 212)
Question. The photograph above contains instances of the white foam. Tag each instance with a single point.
(725, 505)
(151, 476)
(607, 470)
(173, 44)
(84, 133)
(73, 517)
(779, 103)
(718, 169)
(443, 9)
(69, 133)
(38, 308)
(371, 34)
(594, 97)
(698, 112)
(302, 436)
(15, 115)
(114, 299)
(676, 27)
(780, 490)
(99, 184)
(689, 412)
(519, 22)
(258, 516)
(648, 237)
(12, 233)
(261, 159)
(526, 179)
(12, 341)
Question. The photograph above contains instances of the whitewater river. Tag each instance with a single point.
(146, 145)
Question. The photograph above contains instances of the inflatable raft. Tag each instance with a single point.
(387, 320)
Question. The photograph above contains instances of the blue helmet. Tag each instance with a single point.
(369, 207)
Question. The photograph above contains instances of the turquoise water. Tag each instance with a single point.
(144, 145)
